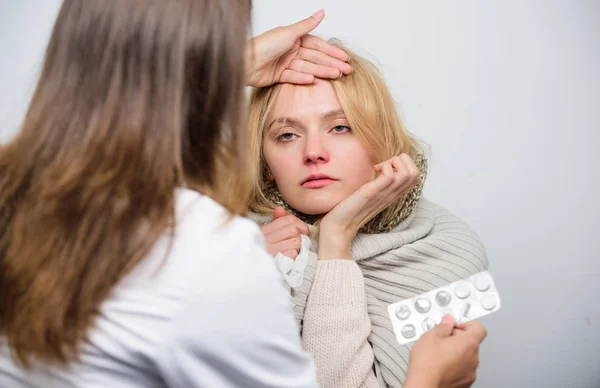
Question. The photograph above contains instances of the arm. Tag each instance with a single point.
(336, 326)
(336, 321)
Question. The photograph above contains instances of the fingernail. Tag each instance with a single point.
(318, 14)
(447, 319)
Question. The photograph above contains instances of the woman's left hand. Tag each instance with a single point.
(398, 176)
(290, 55)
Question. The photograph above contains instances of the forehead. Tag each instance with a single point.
(300, 101)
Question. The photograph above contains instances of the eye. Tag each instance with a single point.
(287, 136)
(340, 129)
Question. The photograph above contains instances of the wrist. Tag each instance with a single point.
(334, 245)
(421, 379)
(250, 62)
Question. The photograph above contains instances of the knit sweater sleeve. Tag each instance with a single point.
(336, 326)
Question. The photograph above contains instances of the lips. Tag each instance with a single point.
(315, 181)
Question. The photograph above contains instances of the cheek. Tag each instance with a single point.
(280, 164)
(361, 169)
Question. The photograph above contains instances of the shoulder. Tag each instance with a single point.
(210, 251)
(452, 235)
(442, 217)
(204, 217)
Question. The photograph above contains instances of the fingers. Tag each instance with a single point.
(291, 244)
(405, 173)
(285, 232)
(302, 227)
(387, 170)
(282, 221)
(305, 26)
(320, 71)
(408, 175)
(312, 42)
(294, 77)
(476, 330)
(444, 329)
(278, 213)
(323, 58)
(376, 186)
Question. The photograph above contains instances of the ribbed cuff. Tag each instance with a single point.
(338, 282)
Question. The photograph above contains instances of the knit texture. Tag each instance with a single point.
(337, 304)
(430, 249)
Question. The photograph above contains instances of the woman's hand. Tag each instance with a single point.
(289, 55)
(339, 227)
(447, 356)
(283, 234)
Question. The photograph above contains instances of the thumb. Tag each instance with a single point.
(278, 213)
(305, 26)
(444, 329)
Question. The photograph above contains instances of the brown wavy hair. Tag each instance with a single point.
(134, 99)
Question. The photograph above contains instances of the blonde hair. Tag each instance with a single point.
(369, 108)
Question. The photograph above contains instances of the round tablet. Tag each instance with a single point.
(409, 331)
(442, 298)
(422, 305)
(428, 324)
(489, 301)
(482, 283)
(462, 290)
(402, 312)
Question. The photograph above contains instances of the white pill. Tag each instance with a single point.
(482, 283)
(442, 298)
(409, 331)
(462, 290)
(402, 312)
(422, 305)
(489, 301)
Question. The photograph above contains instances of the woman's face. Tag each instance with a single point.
(312, 154)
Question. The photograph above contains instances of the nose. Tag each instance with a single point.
(314, 151)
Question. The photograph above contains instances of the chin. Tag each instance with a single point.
(315, 206)
(315, 210)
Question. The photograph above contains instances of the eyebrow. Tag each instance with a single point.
(294, 122)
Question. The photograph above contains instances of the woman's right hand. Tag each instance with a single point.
(339, 227)
(283, 234)
(447, 356)
(290, 54)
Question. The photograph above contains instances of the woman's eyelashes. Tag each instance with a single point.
(287, 136)
(340, 129)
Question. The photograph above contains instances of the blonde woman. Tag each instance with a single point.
(335, 154)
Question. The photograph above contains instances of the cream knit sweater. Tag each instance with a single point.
(341, 305)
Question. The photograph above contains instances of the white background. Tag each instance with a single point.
(507, 95)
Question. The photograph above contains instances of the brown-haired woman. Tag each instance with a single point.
(112, 273)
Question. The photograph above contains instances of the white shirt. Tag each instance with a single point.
(206, 308)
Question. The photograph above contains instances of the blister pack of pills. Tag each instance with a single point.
(466, 299)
